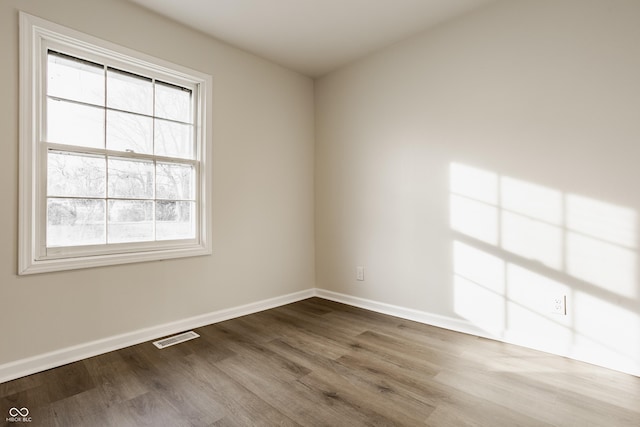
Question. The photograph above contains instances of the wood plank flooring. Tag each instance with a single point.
(320, 363)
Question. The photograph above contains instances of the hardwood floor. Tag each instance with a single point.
(320, 363)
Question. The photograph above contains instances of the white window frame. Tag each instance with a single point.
(36, 37)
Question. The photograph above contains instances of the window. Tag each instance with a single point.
(113, 153)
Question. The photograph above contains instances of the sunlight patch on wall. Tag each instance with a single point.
(531, 215)
(480, 267)
(601, 242)
(473, 183)
(603, 221)
(479, 282)
(608, 266)
(481, 306)
(521, 245)
(531, 200)
(475, 219)
(532, 239)
(528, 309)
(531, 290)
(610, 333)
(591, 240)
(474, 195)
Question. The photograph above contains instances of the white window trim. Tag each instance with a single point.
(35, 34)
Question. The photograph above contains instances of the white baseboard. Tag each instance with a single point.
(23, 367)
(42, 362)
(464, 326)
(458, 325)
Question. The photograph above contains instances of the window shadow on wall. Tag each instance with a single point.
(517, 245)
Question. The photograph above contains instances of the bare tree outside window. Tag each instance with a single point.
(115, 154)
(97, 196)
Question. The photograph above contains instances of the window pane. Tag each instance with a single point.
(173, 140)
(74, 175)
(75, 79)
(130, 179)
(75, 124)
(173, 102)
(129, 92)
(130, 221)
(129, 132)
(75, 222)
(174, 181)
(175, 220)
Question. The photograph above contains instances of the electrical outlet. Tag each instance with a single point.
(360, 273)
(559, 305)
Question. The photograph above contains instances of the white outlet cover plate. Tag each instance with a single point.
(559, 305)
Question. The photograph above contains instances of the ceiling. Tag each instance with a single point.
(312, 37)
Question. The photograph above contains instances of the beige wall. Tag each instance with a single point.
(488, 165)
(262, 126)
(476, 172)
